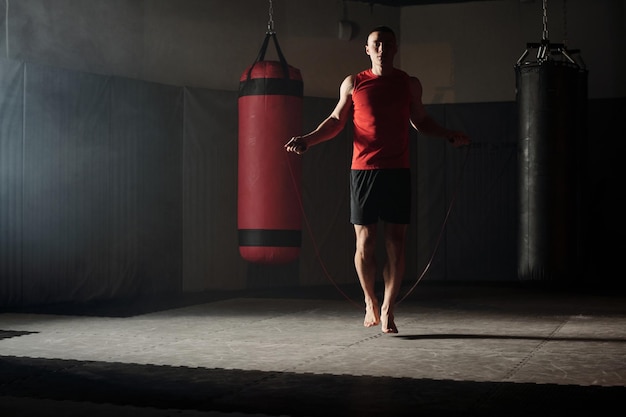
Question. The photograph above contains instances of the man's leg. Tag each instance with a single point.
(393, 273)
(365, 264)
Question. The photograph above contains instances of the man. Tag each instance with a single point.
(383, 101)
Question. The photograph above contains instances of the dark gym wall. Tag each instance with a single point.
(90, 180)
(462, 51)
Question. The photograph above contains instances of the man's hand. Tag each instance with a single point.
(458, 139)
(296, 144)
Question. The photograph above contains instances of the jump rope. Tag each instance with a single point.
(435, 248)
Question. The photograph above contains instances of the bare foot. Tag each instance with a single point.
(387, 323)
(372, 317)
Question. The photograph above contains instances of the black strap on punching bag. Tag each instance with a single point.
(271, 86)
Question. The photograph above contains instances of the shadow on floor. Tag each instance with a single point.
(291, 394)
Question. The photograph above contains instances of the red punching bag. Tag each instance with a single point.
(270, 113)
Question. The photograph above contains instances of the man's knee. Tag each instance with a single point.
(365, 237)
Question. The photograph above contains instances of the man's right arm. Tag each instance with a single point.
(331, 126)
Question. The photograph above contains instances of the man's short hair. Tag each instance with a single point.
(384, 29)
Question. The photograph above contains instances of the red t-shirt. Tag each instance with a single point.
(381, 120)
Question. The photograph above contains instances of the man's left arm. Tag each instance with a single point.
(424, 123)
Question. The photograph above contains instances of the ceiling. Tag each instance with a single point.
(402, 3)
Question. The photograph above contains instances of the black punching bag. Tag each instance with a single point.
(551, 95)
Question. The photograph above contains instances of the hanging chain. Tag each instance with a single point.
(565, 23)
(545, 20)
(270, 23)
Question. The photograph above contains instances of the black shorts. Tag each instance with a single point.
(383, 194)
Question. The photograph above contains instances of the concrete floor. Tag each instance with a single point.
(461, 350)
